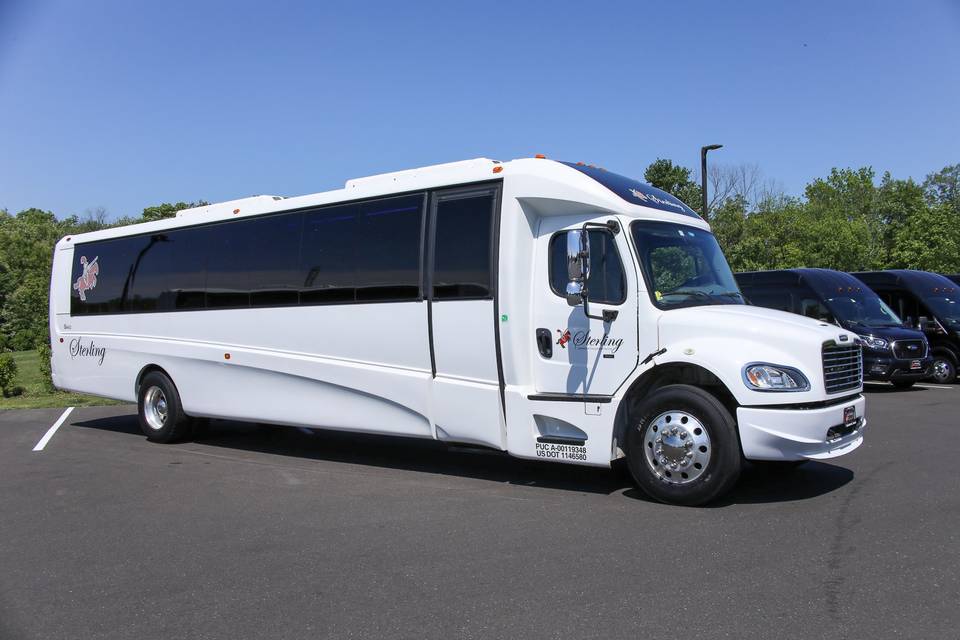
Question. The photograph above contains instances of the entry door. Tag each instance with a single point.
(585, 355)
(461, 290)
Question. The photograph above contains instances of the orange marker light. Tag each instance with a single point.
(236, 211)
(61, 339)
(497, 169)
(540, 156)
(226, 356)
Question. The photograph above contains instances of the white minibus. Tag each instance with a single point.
(552, 310)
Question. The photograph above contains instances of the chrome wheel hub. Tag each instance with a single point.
(155, 408)
(941, 370)
(677, 447)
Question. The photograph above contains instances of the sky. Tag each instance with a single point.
(123, 105)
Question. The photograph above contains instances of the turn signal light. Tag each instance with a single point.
(497, 169)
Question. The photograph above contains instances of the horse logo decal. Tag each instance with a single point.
(564, 338)
(88, 280)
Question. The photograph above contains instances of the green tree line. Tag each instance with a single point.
(848, 220)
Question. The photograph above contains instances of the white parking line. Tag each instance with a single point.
(932, 386)
(52, 430)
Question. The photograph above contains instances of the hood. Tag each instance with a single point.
(725, 338)
(887, 333)
(747, 319)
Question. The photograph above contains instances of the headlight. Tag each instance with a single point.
(772, 377)
(877, 344)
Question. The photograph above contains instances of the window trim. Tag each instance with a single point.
(437, 196)
(616, 248)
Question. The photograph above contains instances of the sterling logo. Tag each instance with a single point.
(583, 340)
(80, 350)
(649, 197)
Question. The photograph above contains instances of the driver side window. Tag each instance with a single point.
(607, 283)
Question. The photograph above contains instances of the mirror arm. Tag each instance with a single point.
(610, 225)
(607, 315)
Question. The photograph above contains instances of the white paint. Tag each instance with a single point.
(933, 386)
(52, 430)
(367, 367)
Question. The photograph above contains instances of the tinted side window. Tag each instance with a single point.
(770, 299)
(100, 271)
(253, 262)
(607, 283)
(463, 246)
(362, 252)
(168, 272)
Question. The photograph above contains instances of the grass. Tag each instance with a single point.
(35, 396)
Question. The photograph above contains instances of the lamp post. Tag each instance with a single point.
(703, 175)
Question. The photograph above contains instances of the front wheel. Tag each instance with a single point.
(944, 371)
(683, 447)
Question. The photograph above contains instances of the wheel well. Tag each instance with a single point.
(150, 368)
(661, 376)
(947, 351)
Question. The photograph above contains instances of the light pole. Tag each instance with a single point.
(703, 175)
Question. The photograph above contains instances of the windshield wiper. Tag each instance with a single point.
(688, 292)
(729, 294)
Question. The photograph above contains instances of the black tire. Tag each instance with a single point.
(174, 425)
(904, 384)
(720, 472)
(944, 369)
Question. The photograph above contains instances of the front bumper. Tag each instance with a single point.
(886, 369)
(800, 434)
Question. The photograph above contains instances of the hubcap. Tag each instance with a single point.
(941, 370)
(155, 408)
(677, 447)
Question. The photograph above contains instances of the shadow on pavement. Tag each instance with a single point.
(756, 485)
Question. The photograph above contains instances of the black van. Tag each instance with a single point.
(891, 351)
(930, 302)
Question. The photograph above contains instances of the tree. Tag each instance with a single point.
(675, 180)
(929, 241)
(167, 210)
(943, 187)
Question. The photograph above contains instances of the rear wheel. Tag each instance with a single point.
(903, 384)
(158, 406)
(944, 370)
(683, 447)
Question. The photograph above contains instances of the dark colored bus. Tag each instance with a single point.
(955, 277)
(929, 302)
(891, 351)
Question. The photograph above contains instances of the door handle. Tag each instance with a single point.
(545, 342)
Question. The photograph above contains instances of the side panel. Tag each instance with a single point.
(361, 367)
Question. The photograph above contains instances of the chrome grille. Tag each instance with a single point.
(909, 349)
(842, 367)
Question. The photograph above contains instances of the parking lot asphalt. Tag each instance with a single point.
(271, 532)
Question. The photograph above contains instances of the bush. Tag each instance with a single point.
(8, 371)
(46, 375)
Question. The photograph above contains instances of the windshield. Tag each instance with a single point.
(863, 308)
(946, 306)
(684, 265)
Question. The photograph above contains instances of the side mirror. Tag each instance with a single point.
(578, 266)
(908, 322)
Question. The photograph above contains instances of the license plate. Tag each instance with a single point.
(914, 365)
(849, 416)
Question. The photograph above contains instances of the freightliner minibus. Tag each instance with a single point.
(929, 302)
(551, 310)
(892, 352)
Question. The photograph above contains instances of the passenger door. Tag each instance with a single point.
(574, 354)
(461, 292)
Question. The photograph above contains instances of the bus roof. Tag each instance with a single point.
(549, 180)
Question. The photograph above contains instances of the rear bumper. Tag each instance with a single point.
(800, 434)
(885, 369)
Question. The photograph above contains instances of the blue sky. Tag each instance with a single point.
(126, 104)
